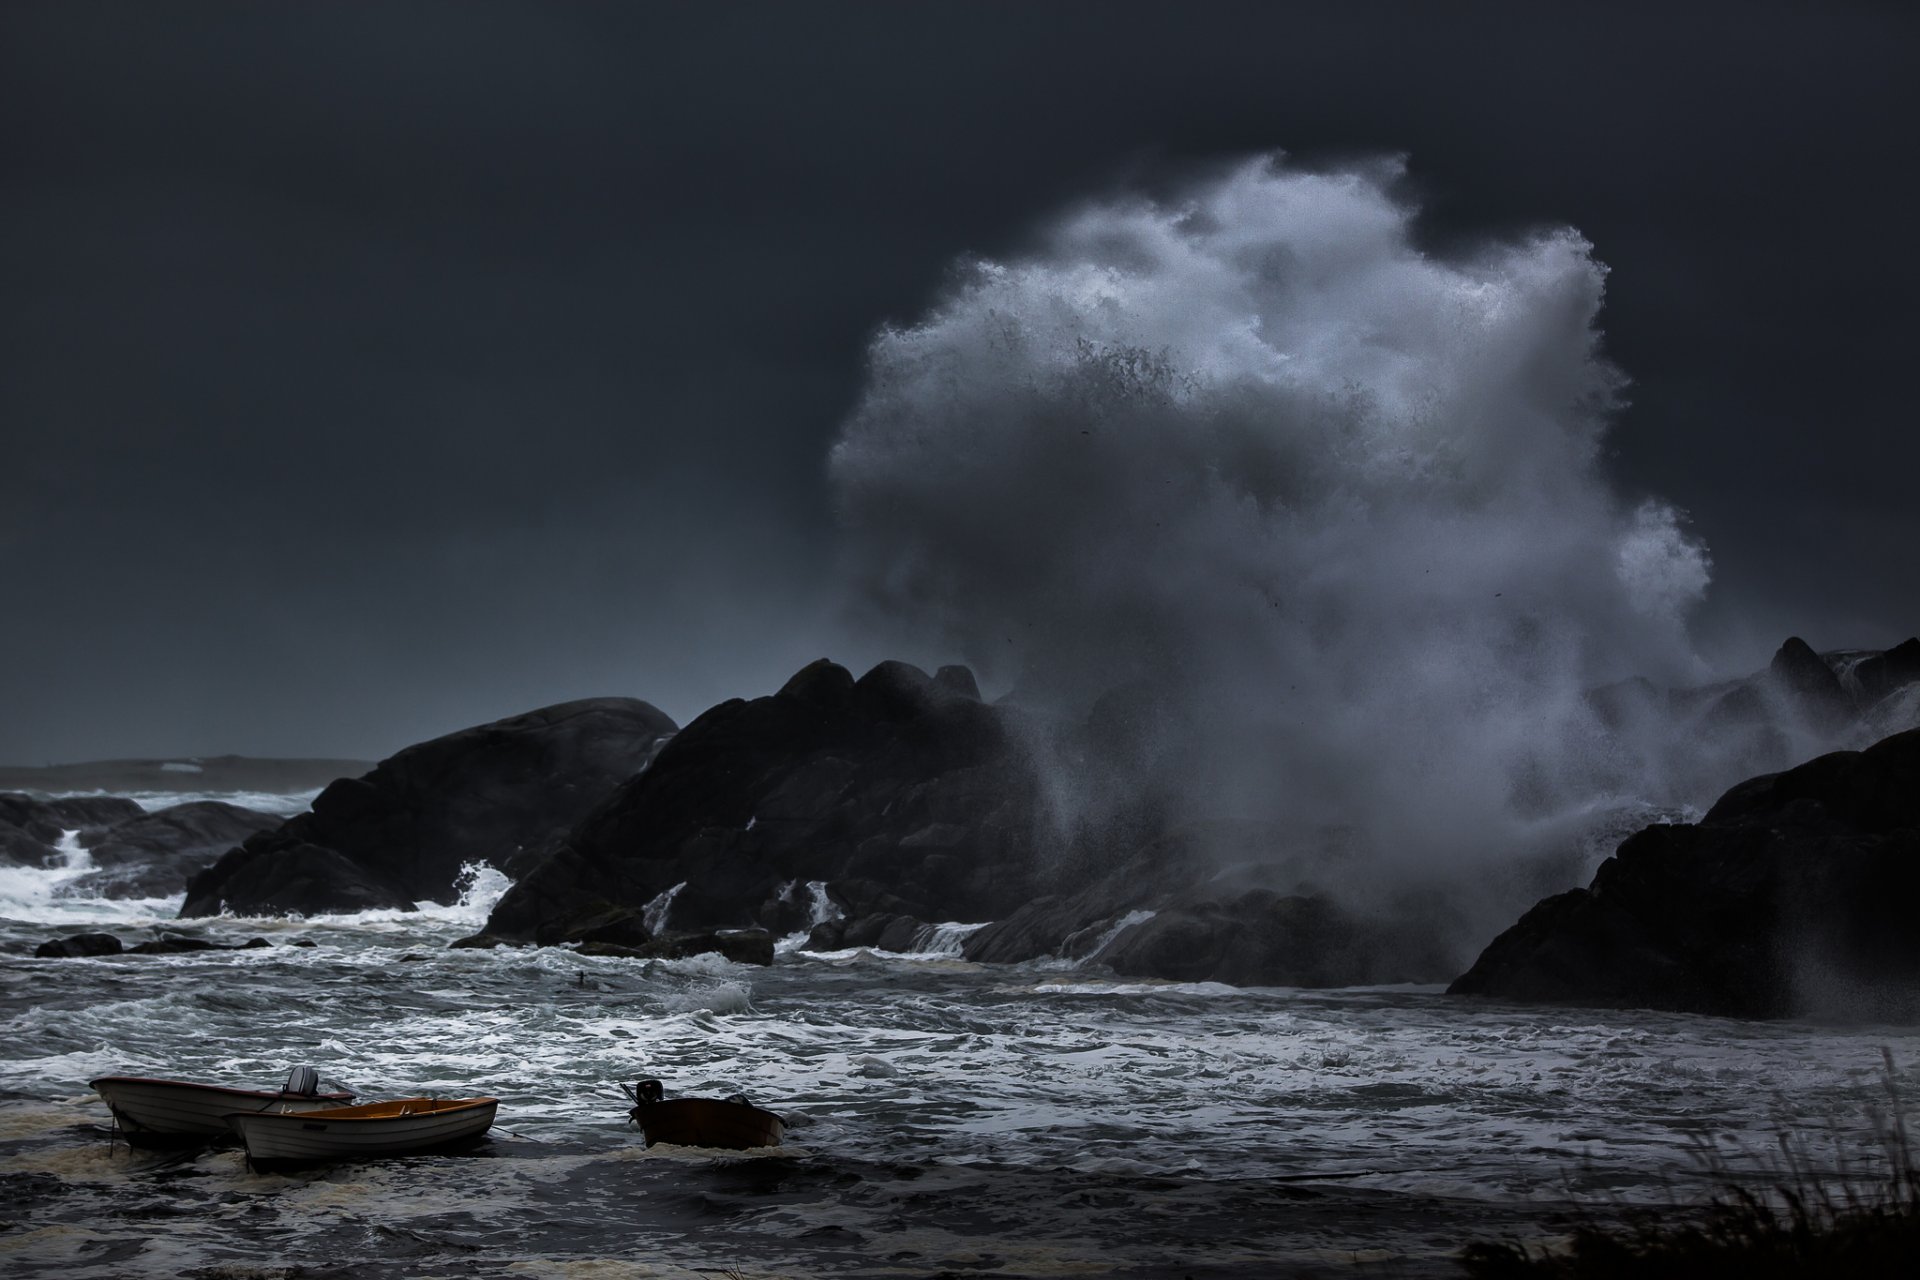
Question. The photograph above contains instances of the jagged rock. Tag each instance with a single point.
(80, 944)
(1791, 896)
(899, 789)
(401, 834)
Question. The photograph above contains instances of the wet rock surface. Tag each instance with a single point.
(900, 792)
(1791, 896)
(492, 794)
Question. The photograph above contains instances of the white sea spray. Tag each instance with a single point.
(1321, 516)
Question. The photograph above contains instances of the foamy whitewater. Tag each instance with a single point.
(1035, 1120)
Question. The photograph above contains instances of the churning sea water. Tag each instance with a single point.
(944, 1118)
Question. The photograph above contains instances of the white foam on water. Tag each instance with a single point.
(284, 804)
(658, 909)
(821, 908)
(944, 941)
(43, 896)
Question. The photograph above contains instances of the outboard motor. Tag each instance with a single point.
(304, 1081)
(647, 1091)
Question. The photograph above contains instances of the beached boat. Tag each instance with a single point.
(373, 1130)
(174, 1113)
(730, 1122)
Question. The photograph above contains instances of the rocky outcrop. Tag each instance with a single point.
(79, 944)
(1793, 895)
(155, 854)
(905, 802)
(167, 944)
(900, 792)
(31, 826)
(401, 834)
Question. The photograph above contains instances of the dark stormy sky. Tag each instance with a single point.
(370, 370)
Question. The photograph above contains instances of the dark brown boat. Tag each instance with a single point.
(731, 1123)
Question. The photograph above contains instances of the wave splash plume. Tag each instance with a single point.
(1297, 521)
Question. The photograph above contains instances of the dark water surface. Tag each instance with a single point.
(945, 1118)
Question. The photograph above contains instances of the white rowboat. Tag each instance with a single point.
(171, 1113)
(400, 1127)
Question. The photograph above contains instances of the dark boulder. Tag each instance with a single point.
(175, 944)
(493, 794)
(1791, 896)
(900, 790)
(79, 944)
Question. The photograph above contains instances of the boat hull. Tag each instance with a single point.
(176, 1113)
(708, 1122)
(402, 1127)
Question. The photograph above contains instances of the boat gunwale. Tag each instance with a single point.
(332, 1115)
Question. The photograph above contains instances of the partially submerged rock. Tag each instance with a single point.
(494, 794)
(1793, 895)
(742, 946)
(79, 944)
(167, 944)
